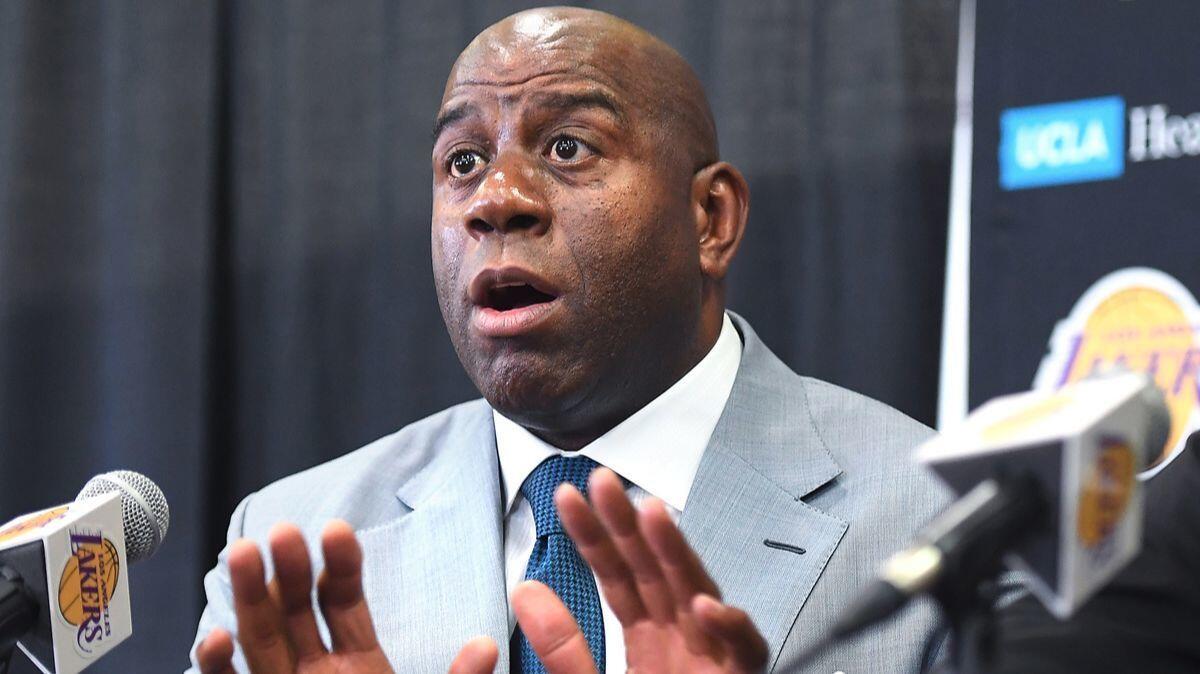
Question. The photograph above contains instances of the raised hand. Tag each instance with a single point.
(277, 628)
(669, 608)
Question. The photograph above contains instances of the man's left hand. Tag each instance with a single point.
(669, 608)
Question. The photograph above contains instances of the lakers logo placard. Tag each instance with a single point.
(1140, 319)
(86, 587)
(1107, 489)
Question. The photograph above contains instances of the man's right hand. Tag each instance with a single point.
(276, 625)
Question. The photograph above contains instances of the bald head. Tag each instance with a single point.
(644, 71)
(582, 223)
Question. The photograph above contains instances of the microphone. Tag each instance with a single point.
(64, 591)
(1048, 483)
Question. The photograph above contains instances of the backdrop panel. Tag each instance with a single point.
(1086, 163)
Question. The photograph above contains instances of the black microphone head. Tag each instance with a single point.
(144, 510)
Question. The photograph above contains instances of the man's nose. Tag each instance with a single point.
(508, 200)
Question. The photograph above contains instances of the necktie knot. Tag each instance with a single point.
(539, 488)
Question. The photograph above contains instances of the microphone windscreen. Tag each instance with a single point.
(144, 510)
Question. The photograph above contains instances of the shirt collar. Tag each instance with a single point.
(657, 448)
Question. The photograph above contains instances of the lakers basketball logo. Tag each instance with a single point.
(1105, 494)
(1142, 320)
(28, 523)
(86, 587)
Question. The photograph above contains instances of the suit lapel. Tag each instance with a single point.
(436, 574)
(745, 515)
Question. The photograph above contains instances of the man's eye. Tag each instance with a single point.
(464, 162)
(568, 149)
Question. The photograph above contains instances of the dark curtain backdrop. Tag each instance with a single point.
(214, 257)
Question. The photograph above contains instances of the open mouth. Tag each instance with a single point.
(509, 296)
(512, 301)
(510, 288)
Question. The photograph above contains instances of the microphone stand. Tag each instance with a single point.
(969, 586)
(969, 612)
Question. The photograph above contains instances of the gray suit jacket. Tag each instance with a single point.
(792, 460)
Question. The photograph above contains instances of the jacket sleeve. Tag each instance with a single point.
(219, 594)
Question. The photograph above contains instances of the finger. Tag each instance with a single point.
(215, 653)
(339, 591)
(293, 580)
(600, 552)
(742, 642)
(681, 564)
(620, 520)
(478, 656)
(260, 620)
(683, 571)
(552, 632)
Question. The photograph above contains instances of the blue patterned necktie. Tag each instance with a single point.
(556, 562)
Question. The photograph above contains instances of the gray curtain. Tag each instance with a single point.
(214, 256)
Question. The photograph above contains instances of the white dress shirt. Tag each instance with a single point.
(657, 449)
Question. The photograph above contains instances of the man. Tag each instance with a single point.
(583, 226)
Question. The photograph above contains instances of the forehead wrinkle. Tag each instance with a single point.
(558, 96)
(566, 89)
(564, 101)
(576, 69)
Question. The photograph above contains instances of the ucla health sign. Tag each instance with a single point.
(1071, 142)
(1081, 141)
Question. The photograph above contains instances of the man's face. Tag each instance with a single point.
(564, 250)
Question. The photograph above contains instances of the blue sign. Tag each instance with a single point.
(1058, 143)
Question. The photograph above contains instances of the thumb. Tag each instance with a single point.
(478, 656)
(551, 630)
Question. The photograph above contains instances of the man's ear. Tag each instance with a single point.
(720, 205)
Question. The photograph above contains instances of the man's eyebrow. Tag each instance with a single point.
(565, 101)
(450, 116)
